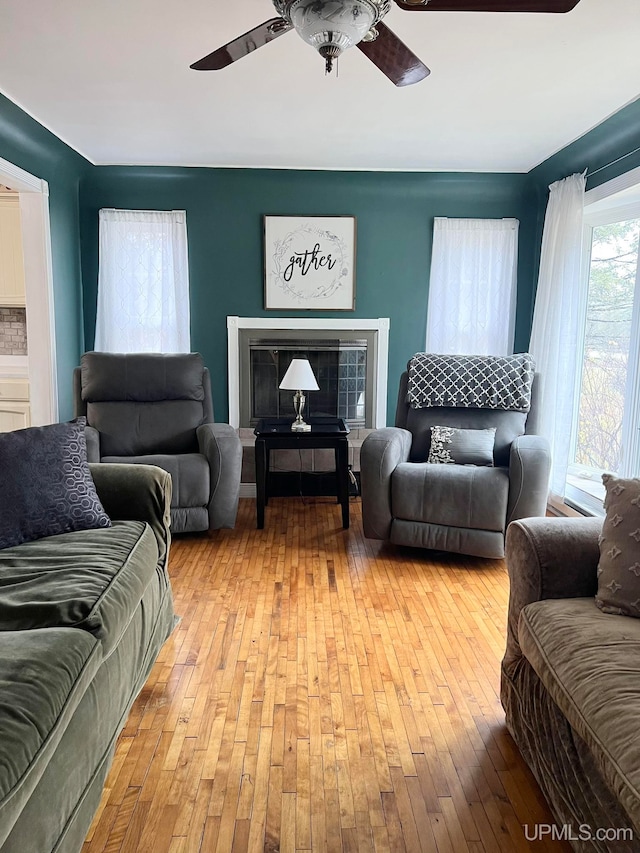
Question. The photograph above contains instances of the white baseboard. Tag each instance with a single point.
(247, 490)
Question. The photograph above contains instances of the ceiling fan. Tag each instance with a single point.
(332, 26)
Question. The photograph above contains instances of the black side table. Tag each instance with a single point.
(276, 434)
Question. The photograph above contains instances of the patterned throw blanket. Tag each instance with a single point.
(471, 381)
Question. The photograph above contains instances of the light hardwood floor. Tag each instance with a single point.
(322, 692)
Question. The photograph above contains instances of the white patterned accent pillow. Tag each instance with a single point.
(461, 446)
(619, 566)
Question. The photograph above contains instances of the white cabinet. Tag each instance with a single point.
(15, 412)
(12, 293)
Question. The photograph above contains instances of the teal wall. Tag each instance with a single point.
(225, 207)
(610, 149)
(25, 143)
(605, 150)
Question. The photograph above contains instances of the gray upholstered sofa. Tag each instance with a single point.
(157, 409)
(571, 684)
(460, 508)
(82, 618)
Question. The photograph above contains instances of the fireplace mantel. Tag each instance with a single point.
(379, 325)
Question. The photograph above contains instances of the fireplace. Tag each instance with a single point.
(348, 358)
(339, 364)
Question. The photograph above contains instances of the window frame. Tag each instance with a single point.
(616, 201)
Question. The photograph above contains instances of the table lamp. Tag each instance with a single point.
(299, 376)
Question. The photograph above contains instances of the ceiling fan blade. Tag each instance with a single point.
(487, 5)
(243, 45)
(394, 58)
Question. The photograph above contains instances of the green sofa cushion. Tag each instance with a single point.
(91, 579)
(43, 676)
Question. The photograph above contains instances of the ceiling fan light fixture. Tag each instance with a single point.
(332, 26)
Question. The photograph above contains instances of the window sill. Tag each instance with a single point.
(576, 504)
(558, 508)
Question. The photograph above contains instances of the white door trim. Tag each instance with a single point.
(38, 270)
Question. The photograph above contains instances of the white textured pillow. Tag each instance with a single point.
(461, 446)
(619, 565)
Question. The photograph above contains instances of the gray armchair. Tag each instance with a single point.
(459, 508)
(157, 409)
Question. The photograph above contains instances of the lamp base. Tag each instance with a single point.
(300, 426)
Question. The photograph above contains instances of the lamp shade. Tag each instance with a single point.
(299, 376)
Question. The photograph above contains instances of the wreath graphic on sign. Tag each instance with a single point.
(310, 263)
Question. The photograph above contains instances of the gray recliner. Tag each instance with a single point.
(157, 409)
(463, 509)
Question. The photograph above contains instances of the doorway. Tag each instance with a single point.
(38, 279)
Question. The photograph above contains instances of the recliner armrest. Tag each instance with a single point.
(382, 451)
(548, 558)
(221, 445)
(529, 468)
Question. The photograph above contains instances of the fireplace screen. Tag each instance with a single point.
(340, 367)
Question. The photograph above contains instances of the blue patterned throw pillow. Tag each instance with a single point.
(46, 486)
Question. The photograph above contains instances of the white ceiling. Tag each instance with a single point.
(506, 90)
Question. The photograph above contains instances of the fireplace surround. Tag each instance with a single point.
(349, 358)
(345, 336)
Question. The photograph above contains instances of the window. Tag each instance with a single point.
(605, 433)
(143, 282)
(472, 286)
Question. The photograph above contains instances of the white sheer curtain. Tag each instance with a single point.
(143, 282)
(472, 286)
(558, 319)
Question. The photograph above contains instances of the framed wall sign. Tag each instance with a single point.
(309, 263)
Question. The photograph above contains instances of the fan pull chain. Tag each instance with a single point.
(329, 65)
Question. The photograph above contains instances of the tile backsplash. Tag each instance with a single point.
(13, 331)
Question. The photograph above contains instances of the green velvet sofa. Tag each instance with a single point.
(83, 616)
